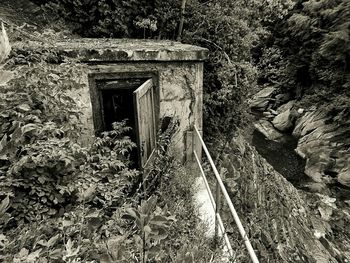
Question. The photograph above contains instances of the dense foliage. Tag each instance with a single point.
(308, 53)
(118, 18)
(44, 168)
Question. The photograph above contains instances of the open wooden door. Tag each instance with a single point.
(145, 121)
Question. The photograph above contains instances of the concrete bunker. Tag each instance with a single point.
(143, 81)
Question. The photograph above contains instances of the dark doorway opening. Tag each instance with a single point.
(117, 104)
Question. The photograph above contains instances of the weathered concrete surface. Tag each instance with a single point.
(81, 96)
(112, 50)
(274, 213)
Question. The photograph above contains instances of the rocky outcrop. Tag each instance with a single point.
(325, 146)
(322, 142)
(284, 120)
(276, 215)
(267, 129)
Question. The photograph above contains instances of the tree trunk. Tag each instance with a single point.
(182, 18)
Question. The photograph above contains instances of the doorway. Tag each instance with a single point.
(133, 100)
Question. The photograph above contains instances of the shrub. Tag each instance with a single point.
(118, 18)
(313, 44)
(44, 169)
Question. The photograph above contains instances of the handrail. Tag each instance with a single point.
(217, 215)
(227, 198)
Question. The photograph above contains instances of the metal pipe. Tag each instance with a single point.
(229, 202)
(218, 208)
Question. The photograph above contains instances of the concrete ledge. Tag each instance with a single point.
(114, 50)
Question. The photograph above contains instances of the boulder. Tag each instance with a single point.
(288, 106)
(266, 128)
(282, 98)
(273, 112)
(284, 120)
(301, 111)
(261, 100)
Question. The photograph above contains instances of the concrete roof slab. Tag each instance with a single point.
(114, 50)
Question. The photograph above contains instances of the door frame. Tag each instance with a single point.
(94, 76)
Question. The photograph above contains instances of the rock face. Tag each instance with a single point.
(324, 146)
(267, 129)
(275, 214)
(321, 141)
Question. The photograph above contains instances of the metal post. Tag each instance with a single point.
(217, 212)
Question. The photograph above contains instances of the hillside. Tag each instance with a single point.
(275, 118)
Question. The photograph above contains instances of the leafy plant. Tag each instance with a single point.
(152, 224)
(118, 18)
(105, 176)
(4, 216)
(44, 167)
